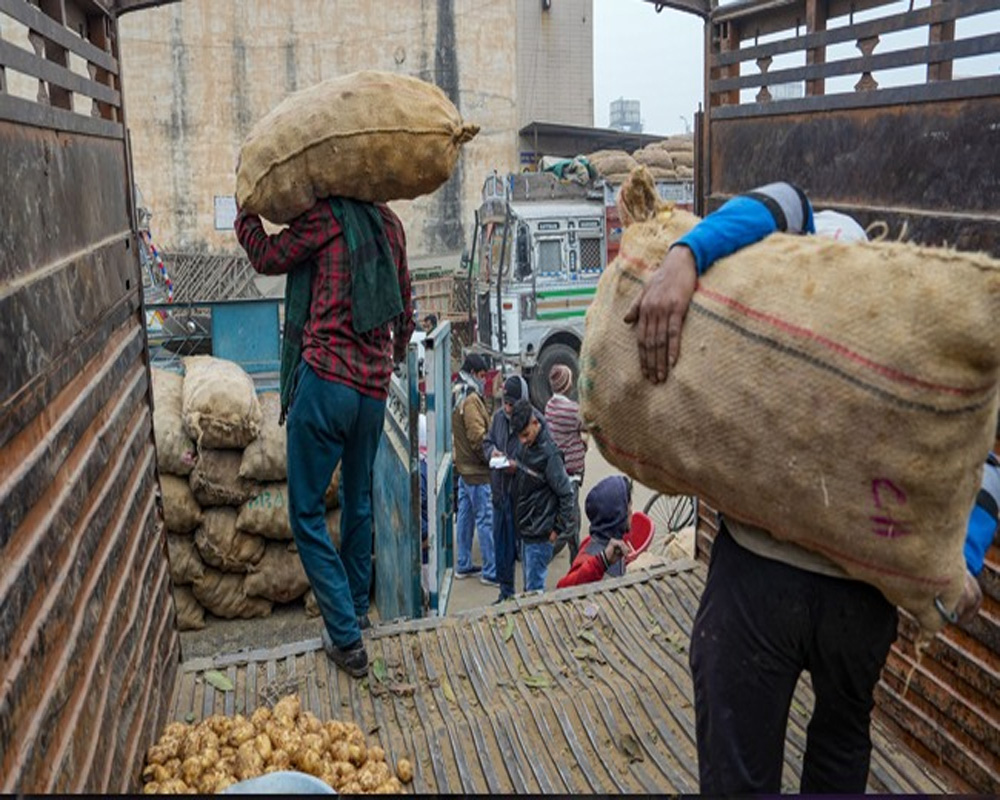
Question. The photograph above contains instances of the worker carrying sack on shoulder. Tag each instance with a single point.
(371, 136)
(839, 395)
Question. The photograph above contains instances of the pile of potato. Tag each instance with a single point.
(221, 751)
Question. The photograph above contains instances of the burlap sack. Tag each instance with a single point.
(311, 604)
(278, 576)
(265, 458)
(181, 512)
(332, 495)
(613, 162)
(368, 135)
(216, 479)
(186, 565)
(842, 396)
(223, 594)
(220, 403)
(190, 614)
(175, 452)
(654, 157)
(685, 173)
(661, 174)
(682, 158)
(267, 514)
(333, 527)
(224, 547)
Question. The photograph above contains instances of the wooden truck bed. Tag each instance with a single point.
(610, 709)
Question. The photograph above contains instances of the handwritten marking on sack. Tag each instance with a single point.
(886, 493)
(268, 499)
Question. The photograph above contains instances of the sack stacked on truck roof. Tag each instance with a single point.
(842, 396)
(368, 135)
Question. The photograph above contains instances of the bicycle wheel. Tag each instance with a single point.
(671, 513)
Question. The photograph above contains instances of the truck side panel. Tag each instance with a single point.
(90, 647)
(915, 149)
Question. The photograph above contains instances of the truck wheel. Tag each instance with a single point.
(552, 354)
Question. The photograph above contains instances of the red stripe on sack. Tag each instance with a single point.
(829, 551)
(796, 330)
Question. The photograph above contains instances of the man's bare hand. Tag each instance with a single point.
(553, 536)
(615, 551)
(659, 311)
(970, 601)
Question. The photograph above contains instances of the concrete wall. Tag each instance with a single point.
(555, 62)
(199, 73)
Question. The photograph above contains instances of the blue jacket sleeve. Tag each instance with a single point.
(747, 219)
(983, 521)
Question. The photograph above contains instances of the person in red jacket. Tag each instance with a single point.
(609, 510)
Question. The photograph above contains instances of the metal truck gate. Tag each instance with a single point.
(86, 617)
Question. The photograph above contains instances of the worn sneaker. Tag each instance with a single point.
(485, 580)
(353, 659)
(471, 572)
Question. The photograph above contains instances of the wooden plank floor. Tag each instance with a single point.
(610, 709)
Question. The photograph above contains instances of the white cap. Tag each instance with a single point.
(834, 225)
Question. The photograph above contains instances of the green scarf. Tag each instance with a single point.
(375, 295)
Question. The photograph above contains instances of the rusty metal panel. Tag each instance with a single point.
(455, 701)
(90, 647)
(929, 170)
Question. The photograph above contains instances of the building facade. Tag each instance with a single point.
(202, 72)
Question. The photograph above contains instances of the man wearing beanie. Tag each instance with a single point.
(544, 494)
(469, 423)
(501, 441)
(562, 416)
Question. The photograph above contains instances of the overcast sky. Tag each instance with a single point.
(656, 59)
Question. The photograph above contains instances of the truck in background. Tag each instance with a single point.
(541, 244)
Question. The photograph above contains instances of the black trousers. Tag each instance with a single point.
(759, 625)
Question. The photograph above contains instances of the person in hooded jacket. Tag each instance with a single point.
(501, 441)
(609, 511)
(545, 496)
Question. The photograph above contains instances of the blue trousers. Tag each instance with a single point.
(504, 538)
(327, 422)
(475, 510)
(536, 558)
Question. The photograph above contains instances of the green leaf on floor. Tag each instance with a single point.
(189, 718)
(379, 669)
(449, 693)
(587, 636)
(508, 630)
(219, 681)
(537, 681)
(656, 630)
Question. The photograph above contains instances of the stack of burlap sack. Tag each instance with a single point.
(670, 159)
(222, 464)
(840, 395)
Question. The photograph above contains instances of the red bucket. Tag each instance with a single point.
(640, 535)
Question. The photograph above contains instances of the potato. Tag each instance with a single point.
(249, 764)
(173, 786)
(241, 733)
(357, 754)
(151, 788)
(404, 770)
(391, 786)
(262, 743)
(280, 759)
(288, 706)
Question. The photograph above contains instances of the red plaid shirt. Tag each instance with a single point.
(330, 345)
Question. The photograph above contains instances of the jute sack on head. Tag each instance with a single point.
(225, 547)
(190, 614)
(267, 514)
(220, 403)
(265, 458)
(181, 512)
(224, 595)
(278, 576)
(216, 480)
(175, 452)
(843, 396)
(368, 135)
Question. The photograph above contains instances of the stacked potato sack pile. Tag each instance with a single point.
(221, 751)
(680, 150)
(670, 159)
(612, 165)
(221, 455)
